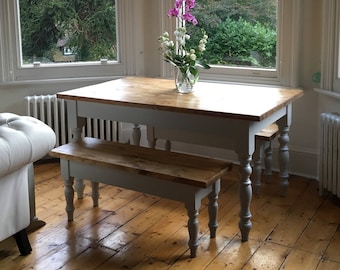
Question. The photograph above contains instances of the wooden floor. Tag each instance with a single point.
(130, 230)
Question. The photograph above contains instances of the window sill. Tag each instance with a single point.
(63, 80)
(329, 93)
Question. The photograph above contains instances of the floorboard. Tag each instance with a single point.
(131, 230)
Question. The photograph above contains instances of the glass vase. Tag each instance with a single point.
(185, 81)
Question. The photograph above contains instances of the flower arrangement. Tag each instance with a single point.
(186, 60)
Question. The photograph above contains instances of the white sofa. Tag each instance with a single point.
(23, 140)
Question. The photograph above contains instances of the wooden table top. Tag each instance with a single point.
(227, 100)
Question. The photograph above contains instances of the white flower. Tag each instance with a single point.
(178, 54)
(201, 47)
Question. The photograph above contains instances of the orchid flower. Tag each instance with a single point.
(178, 53)
(183, 11)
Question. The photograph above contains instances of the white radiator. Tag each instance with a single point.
(53, 112)
(329, 171)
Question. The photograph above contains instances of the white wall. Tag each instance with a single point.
(304, 130)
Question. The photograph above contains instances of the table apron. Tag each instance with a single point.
(234, 134)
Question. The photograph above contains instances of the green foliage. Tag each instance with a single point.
(241, 32)
(88, 26)
(242, 43)
(39, 26)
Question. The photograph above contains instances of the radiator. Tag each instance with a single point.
(53, 112)
(329, 171)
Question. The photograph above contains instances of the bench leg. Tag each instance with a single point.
(95, 193)
(69, 196)
(79, 187)
(193, 231)
(213, 209)
(268, 160)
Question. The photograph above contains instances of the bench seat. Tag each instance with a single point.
(182, 177)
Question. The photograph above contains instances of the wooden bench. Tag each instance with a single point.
(262, 145)
(171, 175)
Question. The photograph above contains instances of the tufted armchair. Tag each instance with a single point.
(23, 140)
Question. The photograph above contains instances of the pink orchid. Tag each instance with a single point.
(185, 14)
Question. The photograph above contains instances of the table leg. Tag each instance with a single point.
(136, 134)
(69, 196)
(76, 133)
(257, 160)
(283, 158)
(245, 194)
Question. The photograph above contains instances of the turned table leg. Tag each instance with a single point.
(283, 157)
(245, 194)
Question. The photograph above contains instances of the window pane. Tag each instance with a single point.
(241, 32)
(55, 31)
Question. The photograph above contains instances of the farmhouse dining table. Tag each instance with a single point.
(234, 112)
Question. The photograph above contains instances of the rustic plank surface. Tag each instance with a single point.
(222, 99)
(176, 167)
(268, 133)
(131, 230)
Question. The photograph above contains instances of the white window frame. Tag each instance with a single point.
(287, 52)
(12, 71)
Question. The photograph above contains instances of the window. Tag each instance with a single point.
(138, 25)
(330, 69)
(241, 33)
(250, 41)
(26, 56)
(67, 31)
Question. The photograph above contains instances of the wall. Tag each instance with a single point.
(304, 130)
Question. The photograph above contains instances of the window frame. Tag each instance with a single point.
(10, 52)
(131, 58)
(288, 35)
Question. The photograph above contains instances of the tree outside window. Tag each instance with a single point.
(241, 32)
(68, 30)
